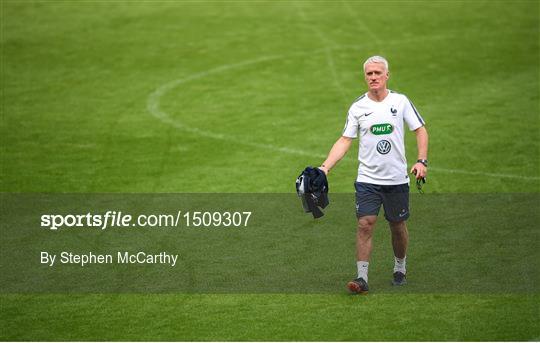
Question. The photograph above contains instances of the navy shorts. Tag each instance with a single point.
(394, 198)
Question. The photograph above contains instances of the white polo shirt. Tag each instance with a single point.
(382, 137)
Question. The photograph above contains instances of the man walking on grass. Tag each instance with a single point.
(378, 118)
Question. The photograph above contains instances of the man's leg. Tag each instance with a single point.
(364, 235)
(400, 241)
(400, 238)
(396, 211)
(368, 204)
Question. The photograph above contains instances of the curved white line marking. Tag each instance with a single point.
(153, 106)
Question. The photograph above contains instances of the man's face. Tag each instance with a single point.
(376, 76)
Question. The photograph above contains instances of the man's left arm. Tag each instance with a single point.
(420, 169)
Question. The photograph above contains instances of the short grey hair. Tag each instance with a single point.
(376, 59)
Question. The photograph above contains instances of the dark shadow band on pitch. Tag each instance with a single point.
(459, 243)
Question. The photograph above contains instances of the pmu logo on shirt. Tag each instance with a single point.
(381, 129)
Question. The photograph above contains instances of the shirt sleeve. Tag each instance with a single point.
(351, 126)
(411, 116)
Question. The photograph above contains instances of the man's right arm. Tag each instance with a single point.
(340, 148)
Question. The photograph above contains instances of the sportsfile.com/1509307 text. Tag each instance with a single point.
(117, 219)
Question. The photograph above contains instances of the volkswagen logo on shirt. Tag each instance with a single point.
(383, 147)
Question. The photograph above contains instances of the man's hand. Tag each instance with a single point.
(324, 169)
(339, 149)
(419, 169)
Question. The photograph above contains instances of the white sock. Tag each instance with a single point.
(362, 269)
(400, 264)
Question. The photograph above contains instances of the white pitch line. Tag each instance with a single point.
(352, 12)
(479, 173)
(153, 106)
(322, 37)
(328, 45)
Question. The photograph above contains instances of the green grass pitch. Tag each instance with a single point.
(214, 96)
